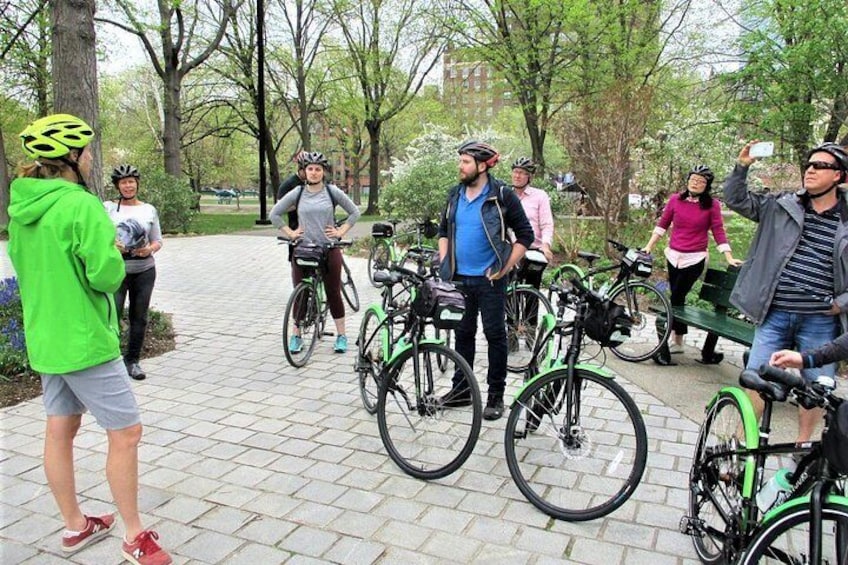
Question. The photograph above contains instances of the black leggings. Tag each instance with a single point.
(139, 287)
(681, 282)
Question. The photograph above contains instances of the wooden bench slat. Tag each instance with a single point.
(718, 323)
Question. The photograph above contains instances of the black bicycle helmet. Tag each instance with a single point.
(124, 172)
(313, 158)
(703, 171)
(525, 163)
(481, 152)
(837, 152)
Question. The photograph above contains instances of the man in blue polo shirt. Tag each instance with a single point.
(476, 255)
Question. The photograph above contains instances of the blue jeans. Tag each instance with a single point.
(788, 330)
(487, 298)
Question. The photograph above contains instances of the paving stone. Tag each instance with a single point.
(309, 541)
(211, 547)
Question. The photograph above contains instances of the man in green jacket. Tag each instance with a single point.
(62, 246)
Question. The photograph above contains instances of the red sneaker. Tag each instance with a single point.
(145, 551)
(95, 528)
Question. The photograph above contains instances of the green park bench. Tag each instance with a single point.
(720, 321)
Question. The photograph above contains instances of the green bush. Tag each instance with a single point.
(13, 356)
(421, 180)
(173, 198)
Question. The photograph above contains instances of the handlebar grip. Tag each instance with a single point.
(618, 245)
(785, 378)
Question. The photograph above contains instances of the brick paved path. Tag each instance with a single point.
(246, 460)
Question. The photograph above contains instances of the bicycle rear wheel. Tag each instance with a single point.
(370, 359)
(650, 313)
(581, 470)
(786, 539)
(425, 437)
(303, 314)
(524, 307)
(351, 295)
(716, 479)
(378, 259)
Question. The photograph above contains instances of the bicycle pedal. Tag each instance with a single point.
(691, 526)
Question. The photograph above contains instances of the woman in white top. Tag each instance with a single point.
(139, 237)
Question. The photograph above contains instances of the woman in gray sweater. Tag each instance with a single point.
(315, 204)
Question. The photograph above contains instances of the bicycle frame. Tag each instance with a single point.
(808, 483)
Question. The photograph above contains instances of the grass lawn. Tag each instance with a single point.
(211, 224)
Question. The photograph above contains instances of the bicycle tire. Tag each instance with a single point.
(425, 438)
(720, 480)
(447, 337)
(785, 539)
(524, 306)
(305, 299)
(379, 258)
(370, 359)
(351, 295)
(561, 276)
(583, 477)
(646, 337)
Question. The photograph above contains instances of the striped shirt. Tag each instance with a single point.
(806, 283)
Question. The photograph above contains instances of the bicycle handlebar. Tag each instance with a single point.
(333, 243)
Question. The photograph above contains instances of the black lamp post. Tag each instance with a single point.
(263, 130)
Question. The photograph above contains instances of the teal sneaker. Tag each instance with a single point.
(295, 344)
(341, 344)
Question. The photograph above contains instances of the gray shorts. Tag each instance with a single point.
(104, 390)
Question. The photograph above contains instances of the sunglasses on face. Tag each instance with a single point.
(821, 166)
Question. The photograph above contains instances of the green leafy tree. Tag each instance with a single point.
(177, 39)
(393, 44)
(793, 84)
(527, 43)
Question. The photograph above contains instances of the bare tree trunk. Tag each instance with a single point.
(75, 73)
(171, 127)
(4, 185)
(373, 168)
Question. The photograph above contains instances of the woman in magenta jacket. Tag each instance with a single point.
(693, 213)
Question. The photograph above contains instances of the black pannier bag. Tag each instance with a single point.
(309, 255)
(441, 301)
(382, 230)
(607, 323)
(835, 439)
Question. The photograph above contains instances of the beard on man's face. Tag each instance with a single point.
(469, 178)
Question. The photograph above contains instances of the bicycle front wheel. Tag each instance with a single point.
(716, 479)
(524, 308)
(446, 336)
(578, 470)
(786, 539)
(351, 295)
(378, 260)
(650, 313)
(428, 429)
(302, 325)
(369, 361)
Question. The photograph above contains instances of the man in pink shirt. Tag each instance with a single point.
(537, 207)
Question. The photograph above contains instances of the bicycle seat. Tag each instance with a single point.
(768, 390)
(586, 255)
(384, 277)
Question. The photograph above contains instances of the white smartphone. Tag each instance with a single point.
(762, 149)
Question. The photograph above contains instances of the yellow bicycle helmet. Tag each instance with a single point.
(53, 137)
